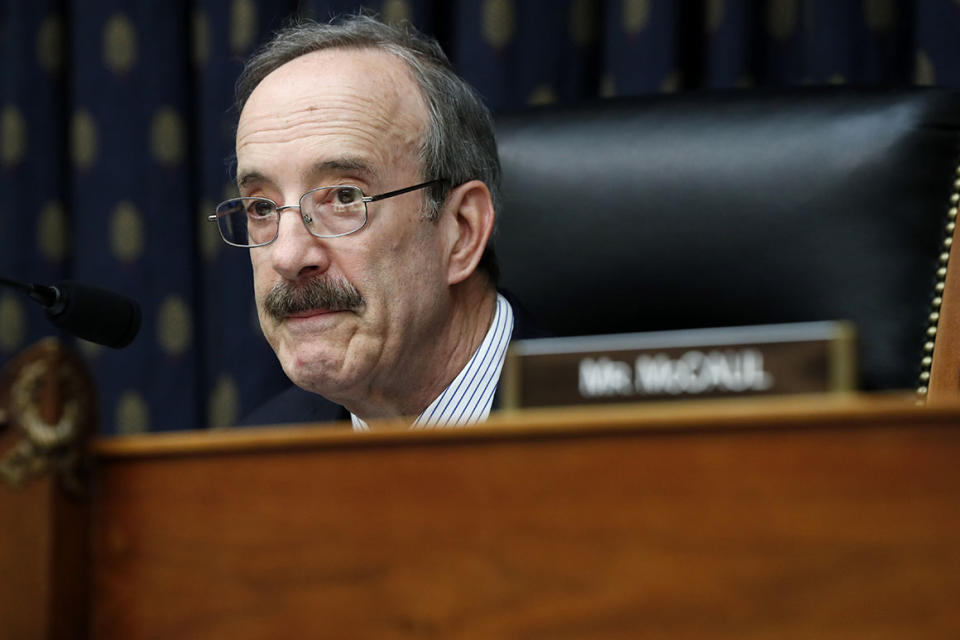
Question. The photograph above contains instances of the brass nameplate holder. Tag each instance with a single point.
(808, 357)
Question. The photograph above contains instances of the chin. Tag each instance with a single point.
(312, 368)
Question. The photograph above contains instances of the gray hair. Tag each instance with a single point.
(459, 144)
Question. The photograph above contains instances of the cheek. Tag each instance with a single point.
(262, 284)
(414, 274)
(261, 274)
(403, 265)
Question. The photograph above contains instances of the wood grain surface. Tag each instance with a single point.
(44, 583)
(26, 590)
(829, 523)
(755, 412)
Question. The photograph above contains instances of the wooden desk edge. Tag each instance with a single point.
(763, 412)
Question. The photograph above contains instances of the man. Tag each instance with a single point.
(377, 294)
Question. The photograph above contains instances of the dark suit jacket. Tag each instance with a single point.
(297, 405)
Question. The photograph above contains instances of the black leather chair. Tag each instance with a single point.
(736, 208)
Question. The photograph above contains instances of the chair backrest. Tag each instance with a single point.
(735, 208)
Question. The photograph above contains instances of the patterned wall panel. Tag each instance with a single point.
(130, 142)
(35, 219)
(116, 139)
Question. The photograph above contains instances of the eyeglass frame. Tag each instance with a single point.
(365, 199)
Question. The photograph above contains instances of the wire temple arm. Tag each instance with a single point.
(398, 192)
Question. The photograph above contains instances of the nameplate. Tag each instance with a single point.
(808, 357)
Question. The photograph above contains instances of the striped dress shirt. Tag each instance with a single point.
(468, 398)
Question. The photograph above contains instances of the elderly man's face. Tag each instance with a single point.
(336, 117)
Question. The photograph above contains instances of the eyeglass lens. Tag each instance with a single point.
(326, 212)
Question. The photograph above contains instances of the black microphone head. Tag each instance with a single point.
(96, 315)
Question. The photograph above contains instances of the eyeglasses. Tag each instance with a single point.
(326, 212)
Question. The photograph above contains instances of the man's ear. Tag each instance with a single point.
(468, 219)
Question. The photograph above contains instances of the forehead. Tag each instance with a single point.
(336, 103)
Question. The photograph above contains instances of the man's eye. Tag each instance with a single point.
(260, 209)
(347, 196)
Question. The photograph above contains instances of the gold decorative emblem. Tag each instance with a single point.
(200, 37)
(224, 407)
(13, 323)
(243, 25)
(880, 14)
(13, 136)
(395, 11)
(923, 71)
(499, 22)
(583, 21)
(174, 326)
(715, 10)
(636, 15)
(542, 95)
(166, 137)
(83, 140)
(52, 232)
(119, 44)
(50, 43)
(671, 84)
(608, 86)
(782, 19)
(132, 414)
(126, 232)
(47, 398)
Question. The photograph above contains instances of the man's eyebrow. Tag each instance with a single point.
(345, 165)
(340, 165)
(250, 177)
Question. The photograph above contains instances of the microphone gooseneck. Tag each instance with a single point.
(87, 312)
(46, 296)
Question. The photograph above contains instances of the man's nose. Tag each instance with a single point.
(295, 251)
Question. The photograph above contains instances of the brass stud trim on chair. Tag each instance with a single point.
(938, 288)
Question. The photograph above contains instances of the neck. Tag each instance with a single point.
(438, 358)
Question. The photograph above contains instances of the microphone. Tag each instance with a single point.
(87, 312)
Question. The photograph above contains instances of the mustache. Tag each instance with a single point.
(331, 294)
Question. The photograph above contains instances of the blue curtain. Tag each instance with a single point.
(116, 134)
